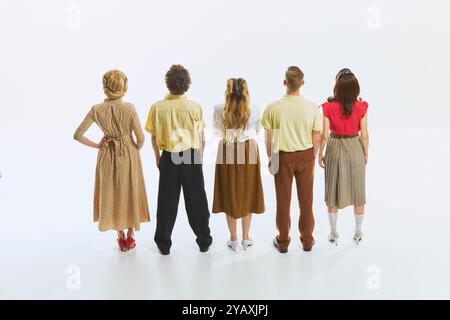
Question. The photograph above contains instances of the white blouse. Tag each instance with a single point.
(237, 135)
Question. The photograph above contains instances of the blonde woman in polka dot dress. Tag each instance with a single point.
(120, 199)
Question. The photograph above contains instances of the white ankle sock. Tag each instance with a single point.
(358, 220)
(332, 218)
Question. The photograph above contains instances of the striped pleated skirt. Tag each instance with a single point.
(345, 172)
(238, 189)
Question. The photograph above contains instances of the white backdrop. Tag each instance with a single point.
(53, 54)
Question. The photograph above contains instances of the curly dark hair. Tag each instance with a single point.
(178, 79)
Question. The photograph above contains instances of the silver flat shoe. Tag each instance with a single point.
(233, 244)
(247, 243)
(357, 237)
(333, 238)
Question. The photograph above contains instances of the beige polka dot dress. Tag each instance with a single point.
(120, 198)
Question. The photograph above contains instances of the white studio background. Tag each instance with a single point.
(53, 54)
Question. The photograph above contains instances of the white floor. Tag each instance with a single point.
(53, 56)
(48, 237)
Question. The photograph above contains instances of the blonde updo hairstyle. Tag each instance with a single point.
(115, 84)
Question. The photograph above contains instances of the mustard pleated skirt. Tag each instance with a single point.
(238, 188)
(345, 172)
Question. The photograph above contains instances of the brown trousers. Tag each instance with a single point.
(299, 164)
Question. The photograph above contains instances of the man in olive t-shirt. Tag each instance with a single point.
(293, 125)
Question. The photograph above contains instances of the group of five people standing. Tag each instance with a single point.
(297, 132)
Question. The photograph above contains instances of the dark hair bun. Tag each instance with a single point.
(344, 72)
(237, 88)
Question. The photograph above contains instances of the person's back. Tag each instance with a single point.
(120, 199)
(293, 127)
(295, 118)
(346, 138)
(179, 122)
(115, 118)
(344, 124)
(176, 125)
(238, 190)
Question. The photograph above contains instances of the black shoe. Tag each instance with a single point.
(164, 252)
(275, 243)
(308, 249)
(202, 246)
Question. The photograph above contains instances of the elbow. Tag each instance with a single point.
(202, 139)
(364, 137)
(139, 145)
(154, 143)
(140, 142)
(76, 136)
(317, 135)
(317, 141)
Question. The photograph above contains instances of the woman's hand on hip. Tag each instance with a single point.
(102, 142)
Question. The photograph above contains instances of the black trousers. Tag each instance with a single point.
(182, 169)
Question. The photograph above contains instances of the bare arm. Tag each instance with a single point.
(323, 141)
(316, 141)
(201, 137)
(156, 151)
(364, 137)
(269, 149)
(268, 140)
(90, 143)
(81, 130)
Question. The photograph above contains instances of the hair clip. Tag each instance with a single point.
(343, 72)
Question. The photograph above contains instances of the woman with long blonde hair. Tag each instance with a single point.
(237, 187)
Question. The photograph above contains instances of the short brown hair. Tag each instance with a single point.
(294, 78)
(178, 79)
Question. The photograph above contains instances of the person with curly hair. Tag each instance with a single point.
(176, 125)
(120, 199)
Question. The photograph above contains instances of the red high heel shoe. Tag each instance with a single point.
(122, 243)
(131, 243)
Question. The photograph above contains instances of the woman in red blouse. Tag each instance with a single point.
(346, 138)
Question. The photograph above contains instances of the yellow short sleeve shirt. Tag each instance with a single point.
(293, 120)
(176, 122)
